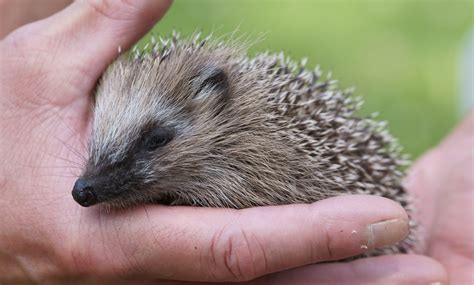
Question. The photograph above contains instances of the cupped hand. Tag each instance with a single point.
(443, 183)
(48, 71)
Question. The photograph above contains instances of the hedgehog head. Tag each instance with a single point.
(175, 124)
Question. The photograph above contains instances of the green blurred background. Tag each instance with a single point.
(402, 56)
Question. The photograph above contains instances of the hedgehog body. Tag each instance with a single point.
(197, 122)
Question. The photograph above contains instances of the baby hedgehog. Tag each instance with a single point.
(197, 122)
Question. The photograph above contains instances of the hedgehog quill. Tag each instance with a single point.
(198, 122)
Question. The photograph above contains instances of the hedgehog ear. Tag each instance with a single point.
(212, 82)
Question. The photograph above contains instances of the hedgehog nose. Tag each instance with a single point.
(84, 194)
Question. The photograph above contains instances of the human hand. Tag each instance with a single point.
(443, 183)
(20, 12)
(48, 70)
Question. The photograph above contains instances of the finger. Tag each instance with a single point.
(77, 44)
(387, 270)
(18, 13)
(205, 244)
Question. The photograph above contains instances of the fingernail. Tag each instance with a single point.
(386, 233)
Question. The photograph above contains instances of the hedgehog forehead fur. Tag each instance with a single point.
(145, 89)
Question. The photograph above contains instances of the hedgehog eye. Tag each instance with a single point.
(211, 78)
(158, 138)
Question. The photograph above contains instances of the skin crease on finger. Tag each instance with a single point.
(36, 145)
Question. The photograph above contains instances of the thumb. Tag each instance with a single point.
(75, 45)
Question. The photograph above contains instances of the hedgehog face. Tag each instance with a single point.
(113, 179)
(155, 131)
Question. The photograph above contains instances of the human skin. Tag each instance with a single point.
(443, 183)
(15, 13)
(47, 73)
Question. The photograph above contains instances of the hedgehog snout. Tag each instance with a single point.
(83, 193)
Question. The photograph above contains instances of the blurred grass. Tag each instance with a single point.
(402, 56)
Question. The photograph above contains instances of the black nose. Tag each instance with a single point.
(83, 193)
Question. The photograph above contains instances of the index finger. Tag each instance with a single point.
(203, 244)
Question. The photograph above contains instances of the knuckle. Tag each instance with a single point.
(327, 245)
(236, 255)
(322, 243)
(112, 9)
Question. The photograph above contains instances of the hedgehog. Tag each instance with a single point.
(198, 122)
